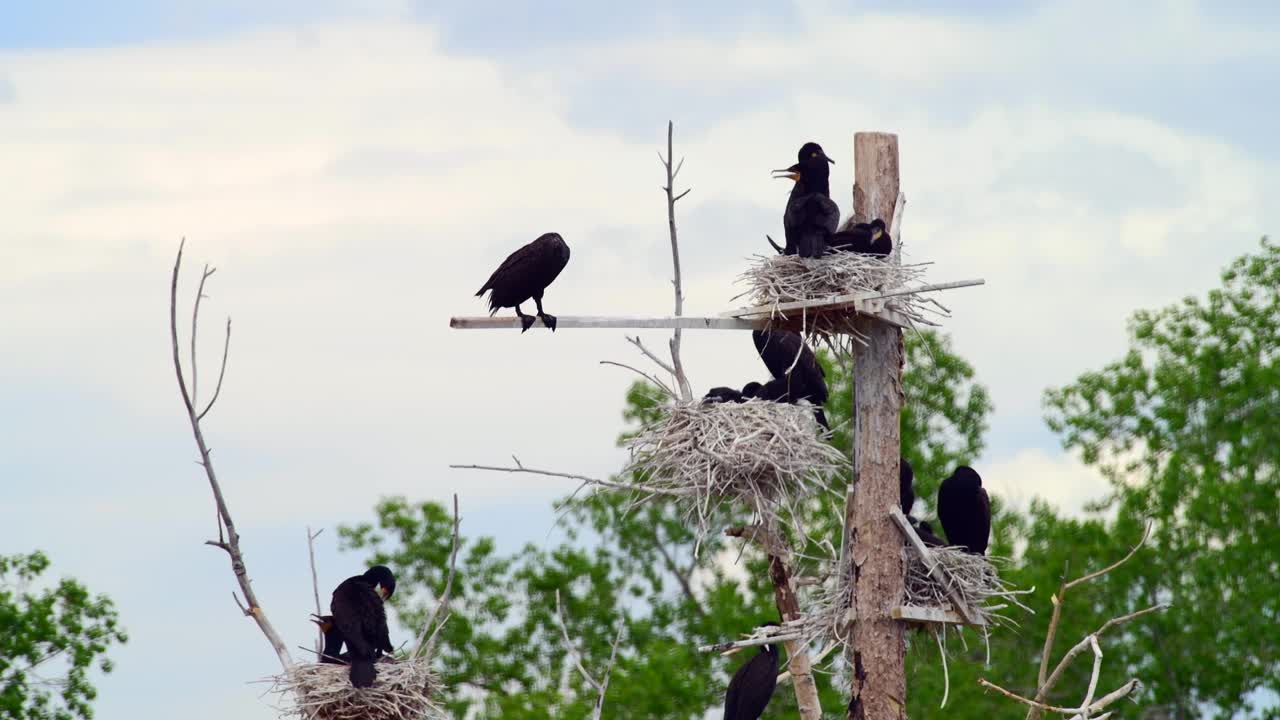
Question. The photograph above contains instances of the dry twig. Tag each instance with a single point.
(440, 614)
(315, 584)
(677, 368)
(602, 685)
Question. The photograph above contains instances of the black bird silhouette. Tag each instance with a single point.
(333, 640)
(722, 395)
(906, 489)
(811, 216)
(925, 531)
(752, 685)
(752, 390)
(361, 618)
(525, 274)
(780, 349)
(866, 238)
(965, 510)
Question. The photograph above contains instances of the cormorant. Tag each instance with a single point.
(965, 510)
(722, 395)
(752, 389)
(752, 685)
(525, 274)
(811, 216)
(806, 381)
(333, 640)
(925, 531)
(906, 491)
(361, 618)
(866, 238)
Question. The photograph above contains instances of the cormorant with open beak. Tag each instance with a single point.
(866, 238)
(525, 274)
(811, 216)
(752, 685)
(965, 510)
(360, 616)
(793, 366)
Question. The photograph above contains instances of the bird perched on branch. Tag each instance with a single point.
(360, 618)
(811, 216)
(525, 274)
(795, 369)
(965, 510)
(333, 640)
(866, 238)
(752, 685)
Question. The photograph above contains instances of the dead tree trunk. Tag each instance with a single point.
(877, 650)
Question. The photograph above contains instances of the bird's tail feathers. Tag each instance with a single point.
(362, 673)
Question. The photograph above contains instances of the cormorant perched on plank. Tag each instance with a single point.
(752, 685)
(925, 531)
(906, 489)
(806, 381)
(525, 274)
(333, 640)
(866, 238)
(965, 510)
(361, 618)
(722, 395)
(811, 216)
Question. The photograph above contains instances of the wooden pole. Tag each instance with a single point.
(877, 651)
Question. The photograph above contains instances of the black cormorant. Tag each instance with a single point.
(906, 481)
(752, 685)
(752, 390)
(866, 238)
(525, 274)
(965, 510)
(925, 531)
(780, 349)
(333, 640)
(811, 216)
(361, 618)
(722, 395)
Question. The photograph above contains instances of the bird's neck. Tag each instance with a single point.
(817, 183)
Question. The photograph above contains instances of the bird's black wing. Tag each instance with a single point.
(906, 483)
(526, 271)
(982, 533)
(359, 615)
(758, 679)
(778, 349)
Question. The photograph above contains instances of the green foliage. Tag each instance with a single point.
(636, 568)
(49, 641)
(1187, 427)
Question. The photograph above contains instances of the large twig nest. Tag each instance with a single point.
(774, 280)
(403, 690)
(973, 578)
(764, 455)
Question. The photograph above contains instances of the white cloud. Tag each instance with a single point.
(1060, 479)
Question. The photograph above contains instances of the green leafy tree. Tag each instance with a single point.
(50, 640)
(636, 568)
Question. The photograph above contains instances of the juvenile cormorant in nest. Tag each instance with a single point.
(361, 618)
(811, 216)
(906, 489)
(965, 510)
(866, 238)
(925, 531)
(806, 381)
(752, 389)
(752, 685)
(722, 395)
(525, 274)
(333, 640)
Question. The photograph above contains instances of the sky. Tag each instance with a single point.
(355, 170)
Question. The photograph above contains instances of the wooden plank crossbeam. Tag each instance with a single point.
(592, 321)
(957, 604)
(917, 613)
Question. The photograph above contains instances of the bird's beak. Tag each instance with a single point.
(787, 173)
(382, 592)
(876, 235)
(824, 155)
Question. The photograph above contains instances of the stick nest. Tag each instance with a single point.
(766, 455)
(777, 279)
(973, 577)
(323, 691)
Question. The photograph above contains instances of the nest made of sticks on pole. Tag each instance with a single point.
(760, 454)
(322, 691)
(973, 579)
(777, 279)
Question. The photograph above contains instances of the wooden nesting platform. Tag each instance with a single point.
(958, 613)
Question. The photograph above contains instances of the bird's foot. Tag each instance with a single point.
(526, 322)
(549, 321)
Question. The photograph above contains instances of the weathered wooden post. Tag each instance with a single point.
(877, 651)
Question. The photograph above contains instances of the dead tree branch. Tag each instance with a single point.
(677, 368)
(580, 478)
(315, 584)
(441, 612)
(601, 686)
(230, 543)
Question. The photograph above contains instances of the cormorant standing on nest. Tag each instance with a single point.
(965, 510)
(806, 381)
(361, 618)
(752, 685)
(722, 395)
(925, 531)
(906, 489)
(866, 238)
(525, 274)
(333, 640)
(811, 216)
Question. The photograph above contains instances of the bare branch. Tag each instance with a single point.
(1093, 677)
(661, 385)
(608, 670)
(580, 478)
(442, 607)
(1061, 668)
(1080, 581)
(649, 354)
(677, 368)
(222, 372)
(735, 645)
(681, 577)
(1120, 692)
(315, 582)
(231, 544)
